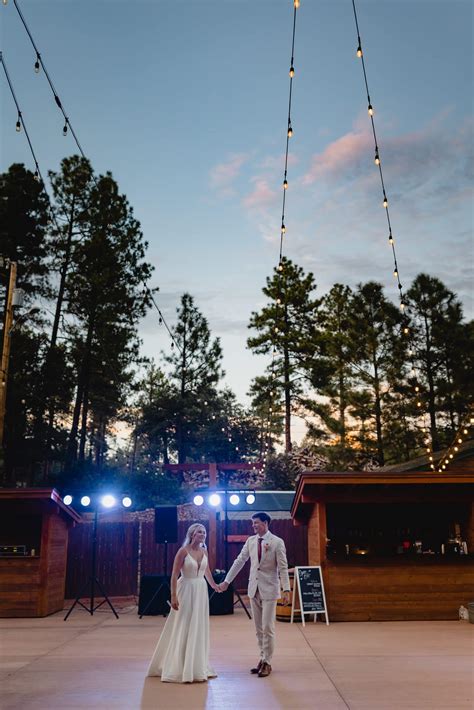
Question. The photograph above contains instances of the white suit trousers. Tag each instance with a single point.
(263, 612)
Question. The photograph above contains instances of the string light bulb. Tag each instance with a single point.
(292, 71)
(37, 64)
(370, 110)
(290, 130)
(5, 2)
(283, 228)
(36, 176)
(395, 273)
(377, 157)
(296, 3)
(285, 184)
(65, 128)
(385, 201)
(359, 51)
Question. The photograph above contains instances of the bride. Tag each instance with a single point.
(182, 652)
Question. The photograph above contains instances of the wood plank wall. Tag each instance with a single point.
(401, 591)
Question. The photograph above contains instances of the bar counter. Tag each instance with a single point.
(373, 509)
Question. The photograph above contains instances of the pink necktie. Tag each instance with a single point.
(260, 540)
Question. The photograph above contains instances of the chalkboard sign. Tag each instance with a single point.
(309, 592)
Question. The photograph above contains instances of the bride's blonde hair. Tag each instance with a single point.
(190, 534)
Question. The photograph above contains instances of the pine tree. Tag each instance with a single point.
(288, 326)
(436, 328)
(106, 298)
(195, 361)
(378, 352)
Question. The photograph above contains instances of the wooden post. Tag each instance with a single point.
(212, 543)
(317, 535)
(7, 326)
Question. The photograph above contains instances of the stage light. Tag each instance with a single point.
(250, 499)
(108, 501)
(198, 500)
(214, 500)
(234, 499)
(67, 500)
(126, 501)
(85, 501)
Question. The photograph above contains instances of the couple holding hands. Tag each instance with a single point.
(182, 652)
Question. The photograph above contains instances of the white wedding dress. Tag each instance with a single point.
(182, 653)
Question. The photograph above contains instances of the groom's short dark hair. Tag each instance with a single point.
(264, 517)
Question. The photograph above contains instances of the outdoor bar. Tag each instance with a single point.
(392, 545)
(34, 526)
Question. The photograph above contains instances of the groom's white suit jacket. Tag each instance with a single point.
(266, 574)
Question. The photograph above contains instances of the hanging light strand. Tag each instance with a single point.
(377, 159)
(267, 437)
(405, 327)
(289, 129)
(21, 122)
(464, 431)
(39, 63)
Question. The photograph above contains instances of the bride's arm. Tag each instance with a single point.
(210, 578)
(177, 564)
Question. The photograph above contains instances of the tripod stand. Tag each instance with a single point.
(91, 582)
(163, 585)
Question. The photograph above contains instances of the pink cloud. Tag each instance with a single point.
(338, 155)
(261, 196)
(223, 175)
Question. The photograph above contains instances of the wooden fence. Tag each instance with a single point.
(127, 550)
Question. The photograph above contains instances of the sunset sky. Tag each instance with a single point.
(185, 102)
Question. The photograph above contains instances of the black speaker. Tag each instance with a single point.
(154, 595)
(166, 523)
(221, 602)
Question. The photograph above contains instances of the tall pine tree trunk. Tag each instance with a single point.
(378, 411)
(431, 390)
(82, 387)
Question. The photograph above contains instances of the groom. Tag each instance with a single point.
(268, 566)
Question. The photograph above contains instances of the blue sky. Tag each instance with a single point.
(185, 102)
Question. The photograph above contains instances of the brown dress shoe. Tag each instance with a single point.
(257, 669)
(265, 670)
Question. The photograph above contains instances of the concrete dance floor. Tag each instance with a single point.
(100, 662)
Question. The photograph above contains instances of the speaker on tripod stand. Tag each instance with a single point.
(155, 592)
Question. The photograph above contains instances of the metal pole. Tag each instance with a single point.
(94, 543)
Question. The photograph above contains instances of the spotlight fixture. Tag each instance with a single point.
(108, 501)
(126, 501)
(234, 499)
(250, 499)
(214, 499)
(67, 500)
(85, 501)
(198, 500)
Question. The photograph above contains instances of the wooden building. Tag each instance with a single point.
(392, 544)
(34, 526)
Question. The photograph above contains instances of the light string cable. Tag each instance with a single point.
(406, 331)
(267, 435)
(67, 122)
(20, 123)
